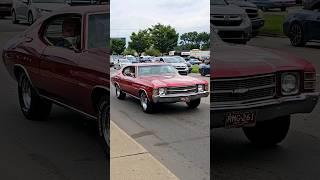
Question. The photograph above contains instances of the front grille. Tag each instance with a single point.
(180, 67)
(182, 90)
(252, 13)
(243, 89)
(226, 20)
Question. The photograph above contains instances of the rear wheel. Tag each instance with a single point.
(119, 93)
(296, 35)
(30, 18)
(32, 106)
(104, 123)
(268, 133)
(194, 103)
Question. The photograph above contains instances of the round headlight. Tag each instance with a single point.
(289, 84)
(162, 91)
(200, 88)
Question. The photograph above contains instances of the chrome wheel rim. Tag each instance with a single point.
(26, 93)
(296, 34)
(117, 91)
(144, 101)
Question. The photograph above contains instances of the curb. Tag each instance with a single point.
(132, 161)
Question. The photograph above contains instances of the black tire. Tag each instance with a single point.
(283, 9)
(296, 35)
(30, 18)
(268, 133)
(194, 103)
(202, 72)
(104, 123)
(146, 105)
(14, 17)
(32, 105)
(119, 93)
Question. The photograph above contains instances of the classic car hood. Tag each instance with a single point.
(247, 61)
(171, 80)
(230, 9)
(50, 6)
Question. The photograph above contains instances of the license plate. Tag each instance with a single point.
(184, 99)
(240, 119)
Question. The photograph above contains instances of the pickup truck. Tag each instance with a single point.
(258, 90)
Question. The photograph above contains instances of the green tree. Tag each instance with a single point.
(129, 51)
(140, 41)
(118, 46)
(152, 52)
(204, 40)
(164, 38)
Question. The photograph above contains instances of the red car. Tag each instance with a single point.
(63, 59)
(258, 90)
(154, 83)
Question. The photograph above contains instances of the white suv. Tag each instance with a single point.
(30, 10)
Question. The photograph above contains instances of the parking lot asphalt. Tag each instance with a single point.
(298, 157)
(176, 136)
(63, 148)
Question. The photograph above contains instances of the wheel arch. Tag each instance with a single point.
(97, 93)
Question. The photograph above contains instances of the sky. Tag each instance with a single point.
(129, 16)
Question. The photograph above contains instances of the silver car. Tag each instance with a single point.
(30, 10)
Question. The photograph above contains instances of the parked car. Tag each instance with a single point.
(31, 10)
(265, 5)
(258, 90)
(5, 8)
(303, 25)
(121, 63)
(230, 21)
(154, 83)
(181, 67)
(182, 60)
(50, 68)
(193, 61)
(132, 59)
(253, 12)
(145, 59)
(204, 68)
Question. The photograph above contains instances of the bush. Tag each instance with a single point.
(195, 69)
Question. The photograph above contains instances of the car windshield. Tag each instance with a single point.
(98, 31)
(49, 1)
(156, 70)
(218, 2)
(171, 60)
(181, 59)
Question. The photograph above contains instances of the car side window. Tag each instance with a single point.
(129, 71)
(64, 31)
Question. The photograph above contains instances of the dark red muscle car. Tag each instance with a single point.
(63, 59)
(257, 90)
(154, 83)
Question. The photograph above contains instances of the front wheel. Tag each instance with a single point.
(146, 105)
(194, 103)
(268, 133)
(104, 123)
(32, 105)
(14, 17)
(119, 93)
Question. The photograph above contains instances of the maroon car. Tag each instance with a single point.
(63, 59)
(257, 90)
(154, 83)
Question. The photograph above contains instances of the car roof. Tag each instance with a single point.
(84, 9)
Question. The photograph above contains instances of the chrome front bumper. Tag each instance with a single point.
(267, 109)
(172, 98)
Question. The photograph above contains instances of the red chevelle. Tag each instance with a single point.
(63, 59)
(154, 83)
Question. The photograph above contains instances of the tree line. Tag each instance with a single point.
(160, 39)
